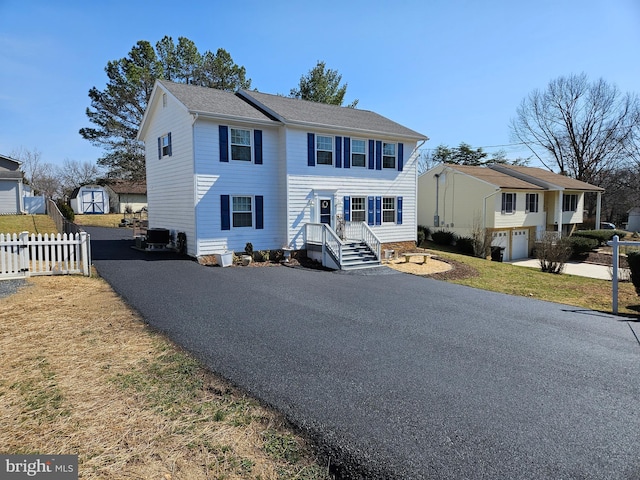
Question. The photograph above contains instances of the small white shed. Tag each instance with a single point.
(90, 199)
(634, 220)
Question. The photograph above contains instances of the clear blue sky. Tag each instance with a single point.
(452, 70)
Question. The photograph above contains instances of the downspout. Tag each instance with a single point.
(196, 249)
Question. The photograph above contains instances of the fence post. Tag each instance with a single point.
(23, 254)
(616, 252)
(84, 252)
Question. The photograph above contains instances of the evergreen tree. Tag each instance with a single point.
(322, 85)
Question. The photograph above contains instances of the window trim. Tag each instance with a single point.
(395, 155)
(165, 145)
(232, 211)
(394, 203)
(572, 199)
(364, 153)
(352, 210)
(232, 144)
(330, 151)
(504, 210)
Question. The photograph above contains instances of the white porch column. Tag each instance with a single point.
(559, 212)
(598, 210)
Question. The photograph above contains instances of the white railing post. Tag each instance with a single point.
(615, 243)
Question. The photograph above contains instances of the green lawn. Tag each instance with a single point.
(582, 292)
(27, 223)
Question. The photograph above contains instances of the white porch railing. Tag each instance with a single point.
(322, 234)
(23, 255)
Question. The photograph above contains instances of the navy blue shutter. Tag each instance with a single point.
(311, 149)
(378, 210)
(347, 209)
(159, 148)
(400, 156)
(259, 212)
(371, 155)
(169, 135)
(257, 145)
(224, 143)
(370, 211)
(338, 152)
(378, 155)
(225, 214)
(399, 211)
(347, 152)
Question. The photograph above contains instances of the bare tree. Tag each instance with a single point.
(41, 176)
(74, 173)
(580, 127)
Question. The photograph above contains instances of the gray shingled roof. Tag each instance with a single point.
(210, 101)
(302, 112)
(494, 177)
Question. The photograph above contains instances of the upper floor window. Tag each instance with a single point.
(388, 210)
(570, 203)
(164, 145)
(358, 209)
(242, 212)
(508, 202)
(240, 144)
(358, 154)
(531, 205)
(388, 155)
(324, 150)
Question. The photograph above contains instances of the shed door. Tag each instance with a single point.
(92, 201)
(519, 244)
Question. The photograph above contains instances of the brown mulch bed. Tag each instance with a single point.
(457, 272)
(603, 259)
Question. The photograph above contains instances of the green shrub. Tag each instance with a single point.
(426, 230)
(66, 210)
(465, 245)
(582, 245)
(633, 259)
(602, 236)
(443, 237)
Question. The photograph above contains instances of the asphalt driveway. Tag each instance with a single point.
(396, 376)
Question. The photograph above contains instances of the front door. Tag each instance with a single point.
(325, 211)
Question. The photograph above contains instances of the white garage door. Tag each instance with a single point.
(500, 238)
(519, 244)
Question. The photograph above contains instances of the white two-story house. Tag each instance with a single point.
(230, 168)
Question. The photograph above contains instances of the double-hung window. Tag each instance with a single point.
(358, 153)
(570, 203)
(324, 150)
(240, 144)
(164, 146)
(388, 209)
(358, 209)
(242, 212)
(531, 205)
(388, 155)
(508, 202)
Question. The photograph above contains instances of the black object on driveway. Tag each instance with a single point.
(400, 377)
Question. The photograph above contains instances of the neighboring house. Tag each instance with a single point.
(633, 225)
(11, 186)
(126, 197)
(90, 199)
(516, 204)
(227, 169)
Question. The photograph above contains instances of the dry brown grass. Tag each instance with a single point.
(81, 374)
(103, 220)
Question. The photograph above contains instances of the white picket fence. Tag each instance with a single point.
(23, 255)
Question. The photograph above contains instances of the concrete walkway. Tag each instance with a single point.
(590, 270)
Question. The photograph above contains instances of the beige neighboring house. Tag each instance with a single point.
(127, 196)
(516, 204)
